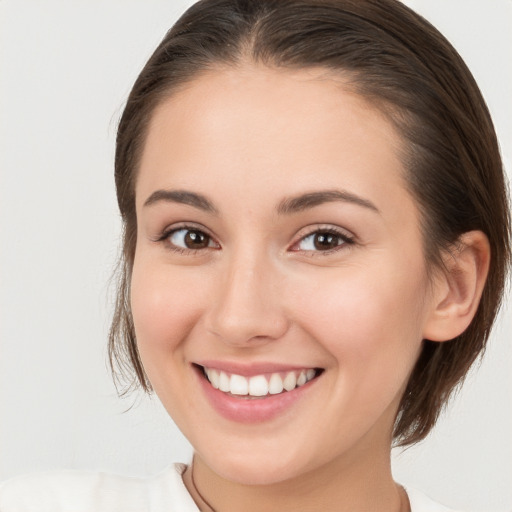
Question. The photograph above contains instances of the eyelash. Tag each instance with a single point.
(346, 240)
(165, 238)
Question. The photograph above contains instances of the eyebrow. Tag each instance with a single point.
(312, 199)
(183, 197)
(286, 206)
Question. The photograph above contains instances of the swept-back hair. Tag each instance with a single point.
(403, 66)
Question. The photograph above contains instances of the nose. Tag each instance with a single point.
(247, 306)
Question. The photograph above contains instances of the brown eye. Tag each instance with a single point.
(323, 241)
(196, 240)
(192, 239)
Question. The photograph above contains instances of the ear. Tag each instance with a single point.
(458, 287)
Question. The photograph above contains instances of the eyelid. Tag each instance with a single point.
(165, 234)
(347, 237)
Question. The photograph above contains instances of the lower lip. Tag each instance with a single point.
(252, 410)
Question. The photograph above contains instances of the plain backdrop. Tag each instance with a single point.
(66, 68)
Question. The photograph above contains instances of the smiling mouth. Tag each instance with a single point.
(258, 386)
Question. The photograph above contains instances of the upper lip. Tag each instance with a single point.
(250, 369)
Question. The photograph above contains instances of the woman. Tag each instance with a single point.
(316, 239)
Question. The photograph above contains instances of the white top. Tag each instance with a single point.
(80, 491)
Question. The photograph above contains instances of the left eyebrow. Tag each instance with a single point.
(312, 199)
(182, 197)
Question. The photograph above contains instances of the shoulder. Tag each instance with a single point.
(82, 491)
(422, 503)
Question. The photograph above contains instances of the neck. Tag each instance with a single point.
(352, 483)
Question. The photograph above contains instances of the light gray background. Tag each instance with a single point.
(66, 68)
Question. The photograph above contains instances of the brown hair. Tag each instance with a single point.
(404, 66)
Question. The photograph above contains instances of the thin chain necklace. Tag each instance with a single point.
(206, 507)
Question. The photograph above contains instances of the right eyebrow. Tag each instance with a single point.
(316, 198)
(183, 197)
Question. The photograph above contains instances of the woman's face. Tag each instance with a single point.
(276, 238)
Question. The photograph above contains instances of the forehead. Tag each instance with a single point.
(254, 127)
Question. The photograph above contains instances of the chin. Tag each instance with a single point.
(253, 469)
(247, 475)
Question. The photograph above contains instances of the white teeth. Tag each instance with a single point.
(258, 385)
(239, 385)
(275, 384)
(213, 377)
(290, 381)
(224, 382)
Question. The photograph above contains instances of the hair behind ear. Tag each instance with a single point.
(452, 339)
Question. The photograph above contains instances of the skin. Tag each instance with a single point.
(247, 139)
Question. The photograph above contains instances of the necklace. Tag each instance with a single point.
(204, 506)
(188, 478)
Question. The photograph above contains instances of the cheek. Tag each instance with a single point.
(165, 307)
(370, 322)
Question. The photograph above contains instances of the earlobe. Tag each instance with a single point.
(458, 287)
